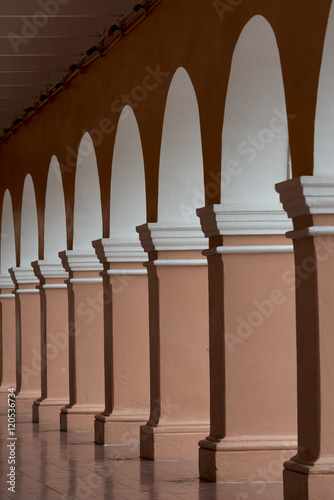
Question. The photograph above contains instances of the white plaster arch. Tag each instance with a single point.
(55, 217)
(255, 148)
(324, 121)
(87, 225)
(8, 257)
(128, 201)
(29, 225)
(181, 179)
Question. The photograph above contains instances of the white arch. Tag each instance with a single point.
(324, 122)
(55, 217)
(87, 224)
(181, 181)
(255, 152)
(128, 202)
(29, 224)
(8, 257)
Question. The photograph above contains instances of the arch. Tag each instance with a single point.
(324, 121)
(181, 180)
(255, 148)
(29, 225)
(87, 224)
(55, 217)
(8, 257)
(128, 201)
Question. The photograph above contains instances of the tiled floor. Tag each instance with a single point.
(54, 465)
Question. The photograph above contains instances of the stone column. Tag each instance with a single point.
(86, 341)
(179, 342)
(126, 341)
(28, 338)
(8, 339)
(309, 201)
(54, 341)
(252, 345)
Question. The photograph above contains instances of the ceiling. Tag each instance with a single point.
(40, 39)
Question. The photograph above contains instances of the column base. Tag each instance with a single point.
(244, 460)
(78, 418)
(24, 403)
(4, 397)
(171, 442)
(47, 410)
(118, 429)
(308, 483)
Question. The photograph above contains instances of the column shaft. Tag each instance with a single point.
(54, 338)
(310, 201)
(8, 344)
(253, 417)
(179, 343)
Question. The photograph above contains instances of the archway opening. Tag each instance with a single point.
(87, 224)
(8, 257)
(55, 217)
(29, 225)
(255, 151)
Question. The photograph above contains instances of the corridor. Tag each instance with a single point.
(54, 465)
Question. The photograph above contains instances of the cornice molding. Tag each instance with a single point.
(307, 195)
(220, 220)
(80, 260)
(116, 250)
(165, 236)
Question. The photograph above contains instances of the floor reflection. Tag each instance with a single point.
(54, 465)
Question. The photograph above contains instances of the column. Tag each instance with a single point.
(179, 342)
(309, 201)
(253, 420)
(28, 339)
(54, 341)
(86, 341)
(8, 339)
(126, 340)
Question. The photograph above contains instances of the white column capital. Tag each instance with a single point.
(117, 250)
(44, 270)
(307, 195)
(80, 260)
(220, 220)
(6, 281)
(23, 275)
(169, 236)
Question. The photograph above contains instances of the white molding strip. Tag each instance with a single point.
(311, 231)
(156, 236)
(176, 262)
(7, 296)
(23, 275)
(124, 272)
(27, 290)
(6, 281)
(55, 286)
(307, 195)
(220, 220)
(117, 250)
(85, 281)
(80, 260)
(45, 269)
(249, 249)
